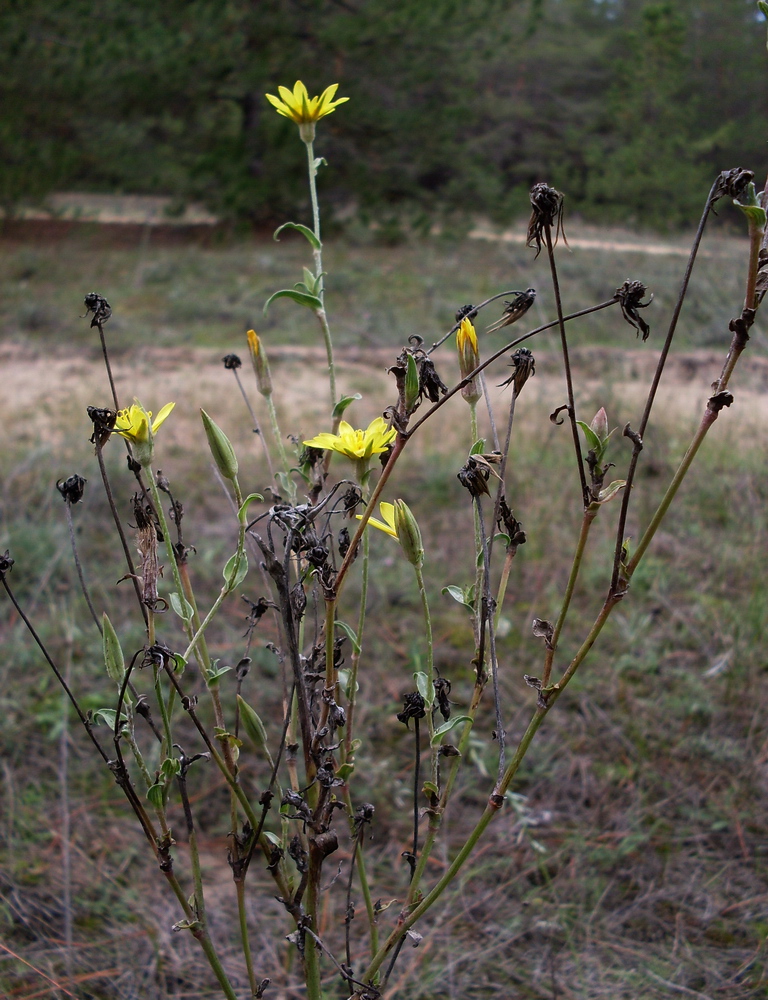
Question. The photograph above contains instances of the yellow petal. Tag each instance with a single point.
(324, 441)
(388, 513)
(162, 415)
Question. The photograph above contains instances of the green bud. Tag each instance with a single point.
(411, 384)
(252, 724)
(408, 534)
(221, 449)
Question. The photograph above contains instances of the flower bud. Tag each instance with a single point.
(408, 534)
(469, 358)
(600, 424)
(221, 449)
(260, 363)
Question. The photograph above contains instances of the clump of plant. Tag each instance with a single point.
(299, 549)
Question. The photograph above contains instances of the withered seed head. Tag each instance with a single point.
(523, 366)
(103, 420)
(99, 306)
(466, 311)
(72, 489)
(430, 383)
(414, 707)
(5, 562)
(474, 477)
(231, 362)
(732, 183)
(630, 299)
(546, 213)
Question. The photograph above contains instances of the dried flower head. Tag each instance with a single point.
(523, 367)
(72, 489)
(232, 362)
(630, 297)
(98, 305)
(546, 213)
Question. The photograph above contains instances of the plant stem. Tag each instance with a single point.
(171, 553)
(638, 443)
(79, 567)
(256, 425)
(276, 433)
(318, 255)
(355, 659)
(586, 524)
(567, 366)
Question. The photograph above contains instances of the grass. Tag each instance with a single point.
(632, 862)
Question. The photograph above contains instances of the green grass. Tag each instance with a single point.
(634, 855)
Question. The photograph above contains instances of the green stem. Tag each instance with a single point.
(246, 944)
(505, 571)
(706, 422)
(317, 253)
(586, 524)
(227, 588)
(276, 433)
(476, 515)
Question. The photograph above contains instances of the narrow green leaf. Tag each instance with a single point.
(350, 634)
(310, 236)
(448, 726)
(478, 447)
(593, 441)
(246, 503)
(345, 771)
(113, 654)
(301, 298)
(343, 403)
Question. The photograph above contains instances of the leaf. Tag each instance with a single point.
(458, 595)
(177, 606)
(345, 771)
(424, 686)
(342, 404)
(478, 447)
(170, 767)
(246, 504)
(448, 726)
(593, 441)
(213, 676)
(273, 838)
(311, 238)
(234, 572)
(113, 654)
(180, 663)
(350, 634)
(430, 788)
(108, 715)
(320, 161)
(751, 207)
(611, 490)
(301, 298)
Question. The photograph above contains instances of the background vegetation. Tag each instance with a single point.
(456, 105)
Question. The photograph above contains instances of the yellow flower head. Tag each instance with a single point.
(135, 424)
(300, 107)
(356, 444)
(466, 338)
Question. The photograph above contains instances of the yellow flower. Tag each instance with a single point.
(356, 444)
(134, 425)
(300, 107)
(388, 524)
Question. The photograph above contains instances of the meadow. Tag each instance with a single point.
(632, 859)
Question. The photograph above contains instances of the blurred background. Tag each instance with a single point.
(456, 105)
